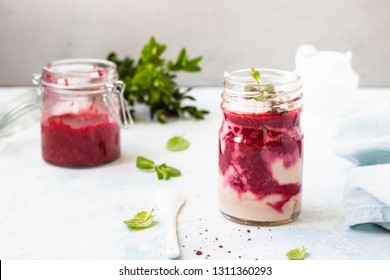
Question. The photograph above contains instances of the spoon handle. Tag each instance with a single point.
(172, 250)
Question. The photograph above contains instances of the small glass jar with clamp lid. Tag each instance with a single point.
(82, 111)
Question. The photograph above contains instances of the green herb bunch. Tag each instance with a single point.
(151, 81)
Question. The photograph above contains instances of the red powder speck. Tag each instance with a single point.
(198, 253)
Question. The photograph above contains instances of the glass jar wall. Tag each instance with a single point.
(82, 110)
(261, 148)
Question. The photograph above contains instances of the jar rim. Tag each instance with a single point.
(78, 73)
(243, 93)
(286, 84)
(233, 77)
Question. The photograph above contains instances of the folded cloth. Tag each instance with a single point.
(364, 139)
(367, 196)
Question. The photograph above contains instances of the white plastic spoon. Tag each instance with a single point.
(168, 201)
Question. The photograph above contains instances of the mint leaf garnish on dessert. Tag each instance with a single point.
(141, 220)
(264, 90)
(177, 143)
(256, 75)
(163, 170)
(268, 88)
(297, 253)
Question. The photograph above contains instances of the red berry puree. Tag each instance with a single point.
(260, 165)
(82, 139)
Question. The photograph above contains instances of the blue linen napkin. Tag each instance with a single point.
(364, 139)
(367, 196)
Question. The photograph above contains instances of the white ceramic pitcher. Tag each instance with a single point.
(328, 81)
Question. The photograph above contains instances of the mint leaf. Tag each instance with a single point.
(172, 172)
(250, 88)
(269, 88)
(162, 174)
(144, 163)
(297, 253)
(177, 143)
(255, 75)
(141, 220)
(261, 98)
(163, 170)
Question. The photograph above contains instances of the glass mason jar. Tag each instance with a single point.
(82, 110)
(261, 148)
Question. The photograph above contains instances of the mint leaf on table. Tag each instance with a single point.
(151, 81)
(162, 174)
(177, 143)
(141, 220)
(297, 253)
(144, 163)
(163, 170)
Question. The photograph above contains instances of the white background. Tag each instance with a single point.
(230, 34)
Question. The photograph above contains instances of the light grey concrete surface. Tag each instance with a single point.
(52, 213)
(229, 34)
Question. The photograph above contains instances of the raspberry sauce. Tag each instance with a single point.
(82, 139)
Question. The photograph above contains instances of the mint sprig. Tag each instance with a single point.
(163, 170)
(264, 90)
(177, 143)
(141, 220)
(297, 253)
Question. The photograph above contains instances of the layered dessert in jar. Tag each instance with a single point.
(261, 149)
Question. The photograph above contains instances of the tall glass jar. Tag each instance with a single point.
(82, 110)
(261, 148)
